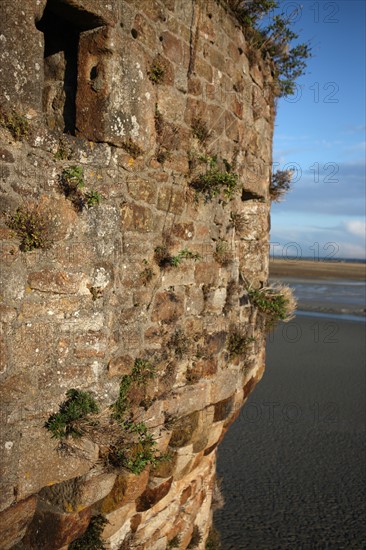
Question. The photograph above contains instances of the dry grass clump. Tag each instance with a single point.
(277, 302)
(280, 184)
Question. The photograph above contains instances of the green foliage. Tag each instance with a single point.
(280, 183)
(78, 406)
(156, 73)
(92, 198)
(277, 303)
(72, 183)
(142, 371)
(237, 343)
(136, 450)
(132, 148)
(273, 41)
(215, 181)
(64, 150)
(130, 444)
(31, 228)
(138, 453)
(164, 259)
(74, 177)
(91, 539)
(16, 123)
(223, 254)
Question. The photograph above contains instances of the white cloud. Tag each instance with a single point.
(356, 227)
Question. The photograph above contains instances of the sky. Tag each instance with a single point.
(320, 132)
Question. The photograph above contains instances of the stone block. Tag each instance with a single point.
(171, 199)
(118, 518)
(172, 47)
(154, 492)
(140, 189)
(215, 300)
(114, 85)
(50, 530)
(119, 366)
(137, 218)
(144, 31)
(194, 300)
(188, 399)
(183, 430)
(180, 275)
(223, 409)
(95, 487)
(41, 463)
(168, 307)
(60, 282)
(91, 344)
(127, 488)
(21, 75)
(14, 522)
(226, 383)
(207, 273)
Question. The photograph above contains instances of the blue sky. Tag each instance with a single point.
(321, 133)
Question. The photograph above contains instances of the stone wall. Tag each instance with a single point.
(146, 97)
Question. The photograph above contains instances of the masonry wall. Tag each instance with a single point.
(142, 95)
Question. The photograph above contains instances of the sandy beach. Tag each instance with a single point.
(310, 269)
(293, 464)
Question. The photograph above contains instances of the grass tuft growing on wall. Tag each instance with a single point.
(32, 229)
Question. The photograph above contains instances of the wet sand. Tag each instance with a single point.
(293, 464)
(317, 269)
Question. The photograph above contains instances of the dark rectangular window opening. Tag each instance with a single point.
(61, 25)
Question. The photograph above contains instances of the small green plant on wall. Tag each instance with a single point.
(164, 259)
(276, 303)
(215, 180)
(223, 255)
(16, 123)
(156, 72)
(128, 444)
(237, 343)
(92, 198)
(72, 184)
(32, 229)
(73, 412)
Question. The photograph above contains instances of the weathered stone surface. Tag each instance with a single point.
(183, 430)
(51, 530)
(60, 282)
(14, 521)
(127, 488)
(168, 307)
(95, 488)
(120, 365)
(42, 464)
(153, 494)
(118, 518)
